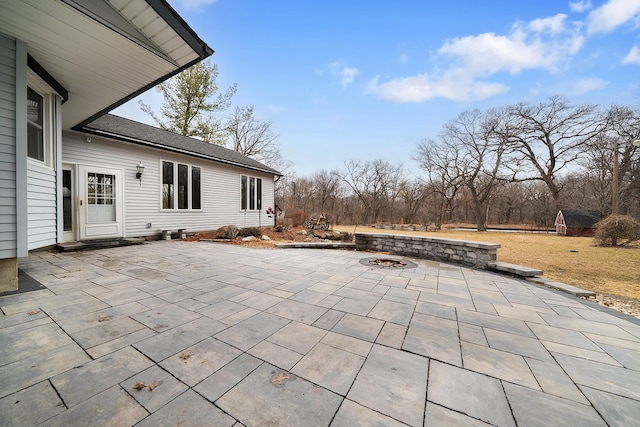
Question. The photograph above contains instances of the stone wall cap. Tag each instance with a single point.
(467, 243)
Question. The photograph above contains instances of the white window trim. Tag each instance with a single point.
(49, 119)
(175, 186)
(249, 192)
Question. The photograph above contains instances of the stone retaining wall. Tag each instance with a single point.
(471, 254)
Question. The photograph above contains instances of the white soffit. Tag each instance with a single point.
(148, 22)
(99, 63)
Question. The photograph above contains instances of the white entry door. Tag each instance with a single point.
(101, 196)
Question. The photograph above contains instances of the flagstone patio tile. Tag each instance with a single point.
(469, 393)
(498, 364)
(197, 362)
(393, 382)
(31, 406)
(270, 396)
(534, 408)
(351, 414)
(188, 409)
(225, 378)
(434, 337)
(112, 407)
(160, 387)
(329, 367)
(359, 327)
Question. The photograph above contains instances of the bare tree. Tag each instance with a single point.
(253, 137)
(445, 181)
(413, 195)
(624, 128)
(302, 192)
(546, 138)
(371, 182)
(326, 187)
(478, 159)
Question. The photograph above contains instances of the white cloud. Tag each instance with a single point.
(348, 75)
(611, 15)
(580, 6)
(489, 53)
(553, 24)
(404, 58)
(424, 87)
(583, 86)
(464, 64)
(633, 57)
(543, 43)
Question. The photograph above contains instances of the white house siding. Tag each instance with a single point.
(41, 208)
(142, 199)
(8, 224)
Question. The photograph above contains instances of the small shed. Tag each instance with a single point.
(571, 222)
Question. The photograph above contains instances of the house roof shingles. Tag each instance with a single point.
(115, 127)
(580, 219)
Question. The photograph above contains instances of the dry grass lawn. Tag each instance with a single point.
(573, 260)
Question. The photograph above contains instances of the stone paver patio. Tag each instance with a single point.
(223, 335)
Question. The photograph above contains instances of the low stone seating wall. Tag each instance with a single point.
(472, 254)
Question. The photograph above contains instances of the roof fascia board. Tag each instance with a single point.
(172, 149)
(180, 26)
(48, 78)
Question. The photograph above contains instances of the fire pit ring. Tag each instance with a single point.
(387, 262)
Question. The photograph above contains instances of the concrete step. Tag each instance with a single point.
(562, 287)
(316, 245)
(99, 244)
(514, 269)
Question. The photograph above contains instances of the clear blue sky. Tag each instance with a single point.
(365, 80)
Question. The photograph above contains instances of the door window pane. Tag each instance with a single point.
(100, 198)
(67, 209)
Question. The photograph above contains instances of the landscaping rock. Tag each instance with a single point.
(265, 237)
(227, 232)
(249, 239)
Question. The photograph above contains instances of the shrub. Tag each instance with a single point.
(298, 217)
(346, 236)
(227, 232)
(616, 230)
(250, 231)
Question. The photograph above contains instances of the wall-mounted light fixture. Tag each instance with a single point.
(139, 170)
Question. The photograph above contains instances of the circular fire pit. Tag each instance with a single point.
(386, 262)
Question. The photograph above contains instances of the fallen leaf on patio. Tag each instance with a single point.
(31, 313)
(279, 379)
(104, 318)
(185, 355)
(139, 385)
(152, 386)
